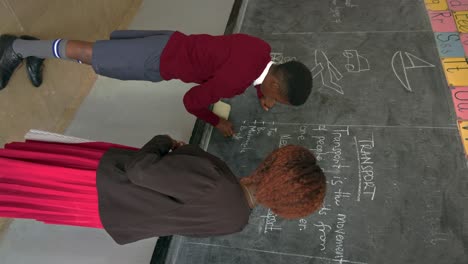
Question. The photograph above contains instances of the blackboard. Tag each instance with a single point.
(381, 123)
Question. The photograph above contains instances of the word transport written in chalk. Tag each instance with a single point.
(367, 184)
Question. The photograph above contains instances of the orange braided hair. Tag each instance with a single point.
(289, 182)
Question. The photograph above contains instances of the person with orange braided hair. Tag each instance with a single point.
(289, 182)
(164, 188)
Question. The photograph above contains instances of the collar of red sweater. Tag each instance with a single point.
(260, 79)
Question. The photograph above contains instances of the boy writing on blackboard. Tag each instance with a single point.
(222, 66)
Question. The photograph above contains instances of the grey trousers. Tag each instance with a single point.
(131, 54)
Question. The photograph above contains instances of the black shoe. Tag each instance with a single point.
(34, 66)
(9, 60)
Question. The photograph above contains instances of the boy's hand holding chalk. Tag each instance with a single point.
(225, 127)
(222, 110)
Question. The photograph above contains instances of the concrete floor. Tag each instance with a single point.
(122, 112)
(65, 83)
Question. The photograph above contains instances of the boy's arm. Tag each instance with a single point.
(197, 100)
(200, 97)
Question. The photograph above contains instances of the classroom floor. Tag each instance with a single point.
(66, 84)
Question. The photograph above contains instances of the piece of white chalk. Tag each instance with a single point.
(222, 110)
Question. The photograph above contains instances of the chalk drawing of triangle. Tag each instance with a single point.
(417, 62)
(401, 67)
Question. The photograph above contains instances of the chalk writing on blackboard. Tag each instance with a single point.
(356, 168)
(278, 57)
(302, 224)
(336, 8)
(400, 67)
(367, 184)
(340, 237)
(328, 144)
(354, 179)
(347, 153)
(340, 195)
(323, 229)
(270, 222)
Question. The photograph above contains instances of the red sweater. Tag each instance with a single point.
(223, 66)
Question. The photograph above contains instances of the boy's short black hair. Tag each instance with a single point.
(296, 81)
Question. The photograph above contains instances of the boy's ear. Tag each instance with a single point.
(275, 82)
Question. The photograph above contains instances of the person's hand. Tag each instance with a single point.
(263, 103)
(176, 143)
(225, 127)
